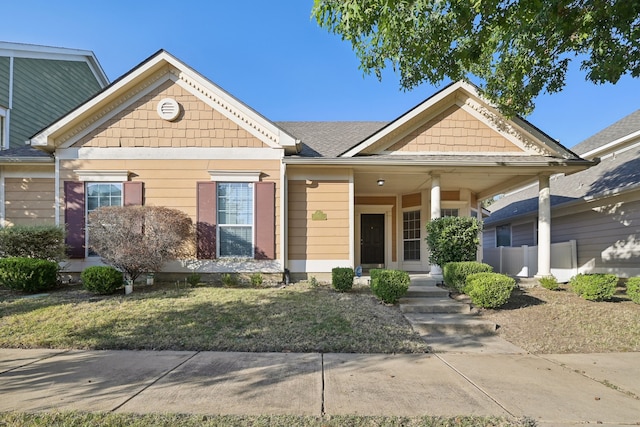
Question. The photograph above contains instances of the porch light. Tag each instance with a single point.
(380, 182)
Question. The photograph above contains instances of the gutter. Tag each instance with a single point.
(418, 162)
(25, 160)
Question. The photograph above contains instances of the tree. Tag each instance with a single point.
(453, 239)
(516, 48)
(139, 239)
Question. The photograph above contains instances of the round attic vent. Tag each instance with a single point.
(168, 109)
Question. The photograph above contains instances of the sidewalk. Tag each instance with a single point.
(552, 389)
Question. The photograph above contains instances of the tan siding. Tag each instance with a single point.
(373, 200)
(172, 183)
(29, 201)
(197, 126)
(454, 130)
(450, 196)
(318, 240)
(410, 200)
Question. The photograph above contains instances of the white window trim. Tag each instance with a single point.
(420, 239)
(102, 176)
(235, 176)
(86, 210)
(253, 224)
(4, 127)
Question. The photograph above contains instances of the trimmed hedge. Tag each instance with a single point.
(390, 285)
(594, 287)
(489, 290)
(40, 242)
(455, 273)
(633, 289)
(342, 278)
(101, 279)
(28, 274)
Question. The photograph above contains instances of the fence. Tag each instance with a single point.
(523, 261)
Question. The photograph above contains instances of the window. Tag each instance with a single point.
(449, 212)
(503, 235)
(411, 235)
(99, 194)
(235, 219)
(3, 130)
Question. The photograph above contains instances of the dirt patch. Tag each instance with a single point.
(544, 321)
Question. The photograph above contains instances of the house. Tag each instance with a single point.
(598, 209)
(38, 84)
(304, 196)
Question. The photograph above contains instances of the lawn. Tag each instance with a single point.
(544, 321)
(298, 318)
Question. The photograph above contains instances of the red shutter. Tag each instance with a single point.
(133, 193)
(265, 211)
(206, 220)
(74, 218)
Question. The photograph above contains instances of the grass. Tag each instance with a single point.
(298, 318)
(547, 321)
(67, 419)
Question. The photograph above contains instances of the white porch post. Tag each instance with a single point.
(480, 252)
(544, 227)
(436, 271)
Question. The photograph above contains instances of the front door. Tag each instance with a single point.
(372, 240)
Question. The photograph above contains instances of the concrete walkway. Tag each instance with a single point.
(554, 390)
(448, 325)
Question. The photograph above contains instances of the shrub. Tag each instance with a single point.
(101, 279)
(342, 278)
(549, 282)
(390, 285)
(489, 290)
(193, 279)
(41, 242)
(230, 280)
(313, 282)
(633, 289)
(137, 239)
(374, 273)
(455, 273)
(594, 287)
(453, 239)
(256, 280)
(28, 274)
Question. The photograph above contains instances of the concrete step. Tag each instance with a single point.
(449, 324)
(423, 282)
(426, 291)
(433, 305)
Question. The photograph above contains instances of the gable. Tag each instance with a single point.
(198, 125)
(454, 130)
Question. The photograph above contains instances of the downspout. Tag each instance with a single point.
(57, 189)
(284, 220)
(7, 119)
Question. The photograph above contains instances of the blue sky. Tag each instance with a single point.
(275, 58)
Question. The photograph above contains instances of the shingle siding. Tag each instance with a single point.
(45, 90)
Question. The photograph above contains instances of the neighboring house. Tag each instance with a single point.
(38, 84)
(598, 208)
(303, 196)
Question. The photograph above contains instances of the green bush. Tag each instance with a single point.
(193, 279)
(453, 239)
(342, 278)
(375, 273)
(455, 273)
(256, 280)
(549, 283)
(101, 279)
(390, 285)
(28, 274)
(489, 290)
(230, 280)
(594, 287)
(41, 242)
(633, 289)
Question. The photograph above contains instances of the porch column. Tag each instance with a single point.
(544, 227)
(435, 271)
(480, 252)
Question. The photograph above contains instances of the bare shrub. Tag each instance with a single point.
(140, 239)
